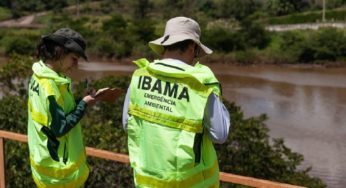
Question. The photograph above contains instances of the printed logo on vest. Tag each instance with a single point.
(165, 88)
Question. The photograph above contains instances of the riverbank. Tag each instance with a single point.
(223, 59)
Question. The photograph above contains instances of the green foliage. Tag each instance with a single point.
(14, 73)
(19, 46)
(54, 4)
(254, 34)
(245, 57)
(118, 40)
(123, 37)
(124, 31)
(4, 13)
(22, 7)
(116, 25)
(18, 172)
(291, 44)
(18, 41)
(141, 8)
(223, 40)
(284, 7)
(326, 44)
(106, 47)
(251, 35)
(239, 9)
(13, 117)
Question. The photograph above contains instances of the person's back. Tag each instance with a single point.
(171, 109)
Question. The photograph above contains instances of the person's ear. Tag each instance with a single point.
(196, 51)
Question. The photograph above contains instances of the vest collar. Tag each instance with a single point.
(178, 69)
(41, 70)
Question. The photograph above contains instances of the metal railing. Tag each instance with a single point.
(225, 177)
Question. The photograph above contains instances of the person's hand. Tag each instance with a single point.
(89, 100)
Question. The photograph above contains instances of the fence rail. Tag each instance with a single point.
(225, 177)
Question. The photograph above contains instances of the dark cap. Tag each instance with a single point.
(69, 39)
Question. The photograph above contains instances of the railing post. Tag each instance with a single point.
(2, 163)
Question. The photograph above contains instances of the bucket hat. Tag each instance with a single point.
(179, 29)
(69, 39)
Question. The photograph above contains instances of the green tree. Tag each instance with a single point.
(121, 39)
(174, 8)
(284, 7)
(19, 45)
(141, 8)
(239, 9)
(54, 4)
(223, 40)
(326, 45)
(254, 34)
(14, 74)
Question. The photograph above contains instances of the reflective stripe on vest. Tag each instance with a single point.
(74, 184)
(58, 172)
(37, 116)
(166, 119)
(187, 182)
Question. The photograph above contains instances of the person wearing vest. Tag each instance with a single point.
(57, 151)
(173, 113)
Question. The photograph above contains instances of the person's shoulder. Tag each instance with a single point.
(142, 62)
(202, 66)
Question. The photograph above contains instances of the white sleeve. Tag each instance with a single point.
(216, 119)
(125, 115)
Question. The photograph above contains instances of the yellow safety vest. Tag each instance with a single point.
(168, 145)
(47, 172)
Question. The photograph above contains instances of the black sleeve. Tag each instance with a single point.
(61, 123)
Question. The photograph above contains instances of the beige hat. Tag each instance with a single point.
(179, 29)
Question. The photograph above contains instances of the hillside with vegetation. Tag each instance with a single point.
(234, 29)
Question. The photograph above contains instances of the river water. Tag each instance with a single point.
(306, 107)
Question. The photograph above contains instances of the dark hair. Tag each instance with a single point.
(182, 45)
(50, 50)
